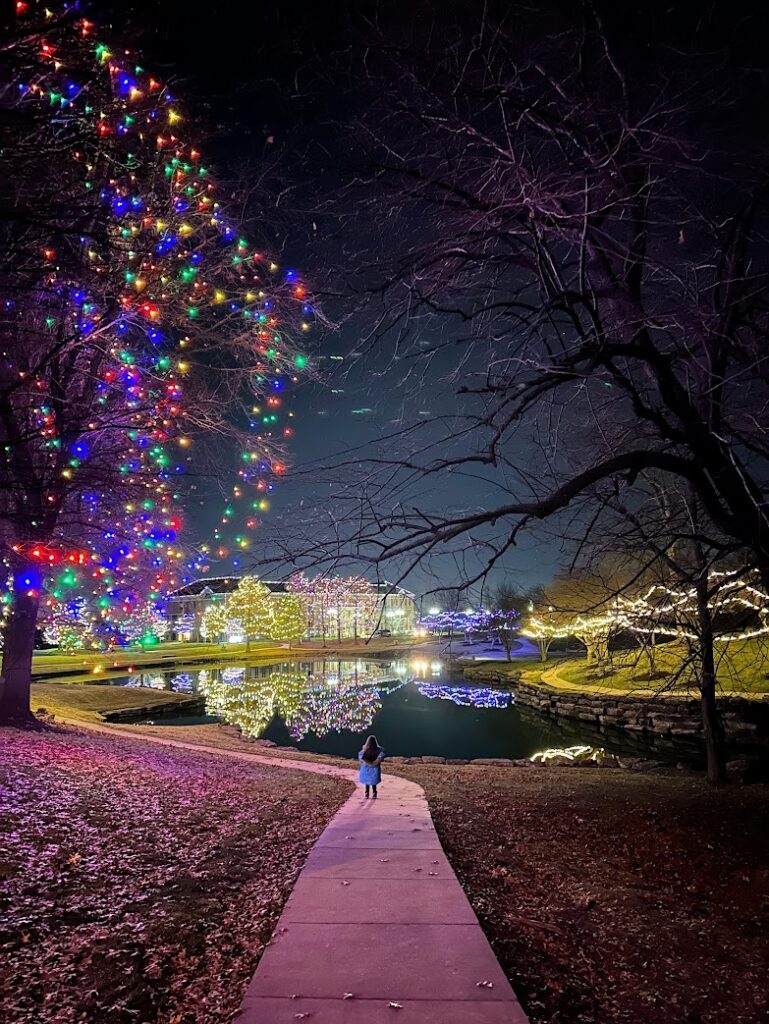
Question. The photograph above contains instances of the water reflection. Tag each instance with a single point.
(318, 697)
(412, 706)
(468, 696)
(315, 697)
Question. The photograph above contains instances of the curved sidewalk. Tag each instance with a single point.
(377, 927)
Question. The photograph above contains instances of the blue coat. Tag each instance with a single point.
(370, 774)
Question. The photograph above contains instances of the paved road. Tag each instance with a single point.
(440, 648)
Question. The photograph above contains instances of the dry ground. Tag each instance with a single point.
(139, 884)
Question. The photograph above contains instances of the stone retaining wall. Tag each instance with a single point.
(189, 706)
(746, 721)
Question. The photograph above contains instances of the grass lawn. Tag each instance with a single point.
(610, 897)
(513, 668)
(139, 884)
(743, 666)
(85, 702)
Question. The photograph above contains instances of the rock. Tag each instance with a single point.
(266, 743)
(744, 769)
(456, 760)
(739, 728)
(504, 762)
(433, 760)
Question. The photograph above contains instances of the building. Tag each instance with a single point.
(334, 611)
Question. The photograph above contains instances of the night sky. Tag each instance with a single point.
(264, 79)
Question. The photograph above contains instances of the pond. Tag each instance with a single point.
(413, 706)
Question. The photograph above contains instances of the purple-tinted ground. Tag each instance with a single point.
(138, 884)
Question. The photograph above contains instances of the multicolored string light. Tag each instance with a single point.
(178, 323)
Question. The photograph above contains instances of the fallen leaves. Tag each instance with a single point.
(140, 884)
(614, 898)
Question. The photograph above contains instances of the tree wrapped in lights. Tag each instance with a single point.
(596, 633)
(544, 626)
(135, 324)
(289, 619)
(144, 625)
(215, 624)
(337, 606)
(251, 607)
(69, 625)
(363, 606)
(321, 597)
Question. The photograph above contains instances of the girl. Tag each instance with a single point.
(370, 757)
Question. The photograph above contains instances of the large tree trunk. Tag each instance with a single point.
(17, 652)
(715, 740)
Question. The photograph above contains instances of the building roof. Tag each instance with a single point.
(227, 584)
(221, 585)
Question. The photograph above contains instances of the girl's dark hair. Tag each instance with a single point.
(371, 750)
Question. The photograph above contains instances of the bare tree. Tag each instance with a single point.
(507, 602)
(568, 251)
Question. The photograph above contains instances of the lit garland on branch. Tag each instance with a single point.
(661, 610)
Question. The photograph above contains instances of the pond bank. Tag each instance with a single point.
(84, 665)
(669, 716)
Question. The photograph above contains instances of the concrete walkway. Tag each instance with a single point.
(377, 927)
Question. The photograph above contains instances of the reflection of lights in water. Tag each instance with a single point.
(322, 712)
(421, 666)
(578, 753)
(308, 697)
(467, 696)
(182, 683)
